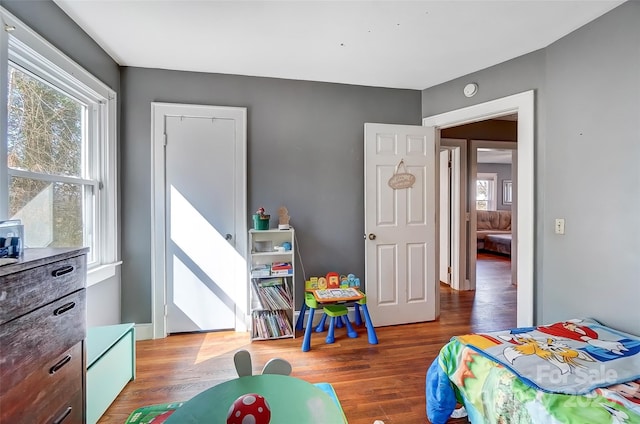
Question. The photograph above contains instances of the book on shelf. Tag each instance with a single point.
(270, 324)
(261, 270)
(281, 268)
(272, 294)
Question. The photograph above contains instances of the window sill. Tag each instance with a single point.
(101, 273)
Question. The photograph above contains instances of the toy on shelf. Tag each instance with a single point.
(261, 220)
(283, 218)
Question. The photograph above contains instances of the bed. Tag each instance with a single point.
(577, 371)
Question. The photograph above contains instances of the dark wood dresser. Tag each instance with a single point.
(42, 337)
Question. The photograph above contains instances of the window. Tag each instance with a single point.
(59, 178)
(486, 192)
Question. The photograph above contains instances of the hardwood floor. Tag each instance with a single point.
(373, 382)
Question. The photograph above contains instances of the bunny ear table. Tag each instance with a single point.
(317, 299)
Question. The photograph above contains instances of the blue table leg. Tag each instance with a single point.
(351, 332)
(358, 317)
(320, 326)
(306, 343)
(330, 334)
(371, 332)
(300, 321)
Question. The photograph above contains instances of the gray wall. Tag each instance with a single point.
(587, 153)
(504, 173)
(305, 151)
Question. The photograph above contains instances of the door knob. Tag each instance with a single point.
(372, 236)
(228, 237)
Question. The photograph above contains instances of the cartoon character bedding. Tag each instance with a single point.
(576, 371)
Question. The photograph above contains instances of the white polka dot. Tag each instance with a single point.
(260, 409)
(230, 411)
(249, 419)
(238, 413)
(249, 400)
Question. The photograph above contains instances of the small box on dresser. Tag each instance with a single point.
(42, 333)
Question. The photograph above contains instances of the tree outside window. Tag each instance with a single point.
(486, 192)
(45, 141)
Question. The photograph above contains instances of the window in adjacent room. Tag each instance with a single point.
(486, 192)
(60, 150)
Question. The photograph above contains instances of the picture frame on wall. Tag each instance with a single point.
(507, 192)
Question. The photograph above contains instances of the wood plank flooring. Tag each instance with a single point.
(373, 382)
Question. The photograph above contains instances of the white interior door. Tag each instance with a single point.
(445, 216)
(204, 226)
(400, 245)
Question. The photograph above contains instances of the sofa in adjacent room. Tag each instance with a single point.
(494, 231)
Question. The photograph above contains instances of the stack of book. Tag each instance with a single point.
(270, 324)
(281, 268)
(261, 270)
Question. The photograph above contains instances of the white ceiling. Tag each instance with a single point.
(400, 44)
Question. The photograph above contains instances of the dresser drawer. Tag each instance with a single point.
(24, 291)
(35, 340)
(52, 392)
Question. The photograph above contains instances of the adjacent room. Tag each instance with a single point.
(324, 212)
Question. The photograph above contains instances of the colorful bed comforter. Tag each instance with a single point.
(539, 375)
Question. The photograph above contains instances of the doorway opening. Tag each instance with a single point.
(495, 279)
(488, 204)
(521, 105)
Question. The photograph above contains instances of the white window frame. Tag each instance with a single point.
(492, 204)
(23, 46)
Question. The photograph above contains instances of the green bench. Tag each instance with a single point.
(111, 364)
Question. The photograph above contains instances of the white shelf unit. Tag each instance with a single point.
(272, 292)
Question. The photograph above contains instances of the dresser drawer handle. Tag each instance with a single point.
(64, 361)
(64, 308)
(62, 416)
(62, 271)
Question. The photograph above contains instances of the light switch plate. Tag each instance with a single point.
(559, 227)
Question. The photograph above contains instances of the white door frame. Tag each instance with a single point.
(158, 204)
(458, 241)
(523, 105)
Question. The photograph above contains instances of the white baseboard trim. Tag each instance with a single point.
(144, 331)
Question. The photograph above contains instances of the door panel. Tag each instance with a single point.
(400, 278)
(199, 154)
(386, 277)
(416, 272)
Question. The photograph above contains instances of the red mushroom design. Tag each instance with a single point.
(249, 409)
